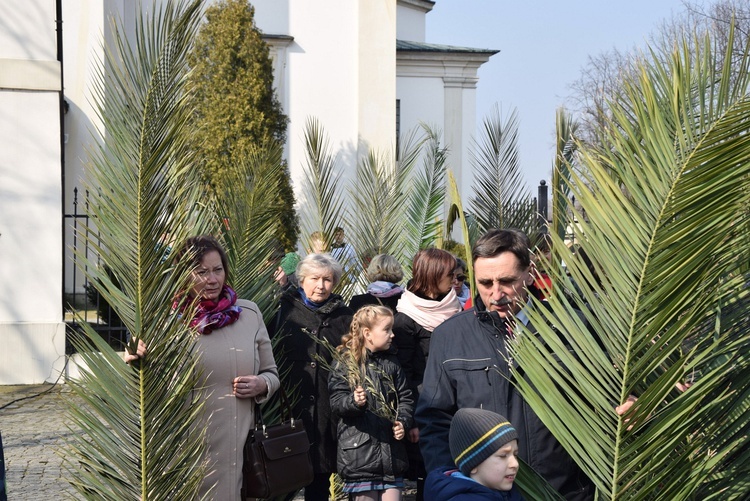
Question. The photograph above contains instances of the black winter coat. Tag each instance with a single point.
(295, 353)
(469, 367)
(366, 447)
(365, 299)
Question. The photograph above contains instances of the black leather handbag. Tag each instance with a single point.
(276, 457)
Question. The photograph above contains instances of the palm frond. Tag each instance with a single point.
(250, 208)
(664, 299)
(534, 486)
(501, 199)
(137, 441)
(321, 195)
(458, 206)
(424, 208)
(566, 128)
(378, 195)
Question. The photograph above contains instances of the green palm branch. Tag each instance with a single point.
(379, 194)
(664, 301)
(566, 128)
(424, 206)
(391, 206)
(250, 204)
(501, 198)
(321, 190)
(136, 440)
(458, 208)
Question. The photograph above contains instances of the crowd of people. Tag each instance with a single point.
(407, 381)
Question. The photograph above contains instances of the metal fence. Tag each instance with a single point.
(81, 301)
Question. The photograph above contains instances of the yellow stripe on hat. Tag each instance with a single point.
(481, 439)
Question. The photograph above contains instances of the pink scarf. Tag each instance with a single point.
(428, 313)
(211, 315)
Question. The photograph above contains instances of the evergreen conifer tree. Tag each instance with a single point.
(235, 106)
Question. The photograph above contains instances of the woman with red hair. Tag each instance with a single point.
(428, 300)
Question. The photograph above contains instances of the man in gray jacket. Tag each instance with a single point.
(469, 366)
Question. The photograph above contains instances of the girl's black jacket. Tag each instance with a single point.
(366, 447)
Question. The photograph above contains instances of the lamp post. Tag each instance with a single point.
(541, 207)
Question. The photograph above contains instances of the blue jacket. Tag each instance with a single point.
(3, 495)
(441, 486)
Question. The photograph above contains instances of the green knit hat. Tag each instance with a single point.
(475, 435)
(289, 262)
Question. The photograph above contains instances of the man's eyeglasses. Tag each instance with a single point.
(460, 278)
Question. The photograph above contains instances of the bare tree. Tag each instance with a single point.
(600, 80)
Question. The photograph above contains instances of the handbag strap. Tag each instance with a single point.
(286, 410)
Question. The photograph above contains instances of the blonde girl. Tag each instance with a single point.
(369, 393)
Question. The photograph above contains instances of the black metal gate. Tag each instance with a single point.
(81, 301)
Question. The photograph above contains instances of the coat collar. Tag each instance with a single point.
(335, 301)
(492, 318)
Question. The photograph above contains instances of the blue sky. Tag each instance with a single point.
(543, 46)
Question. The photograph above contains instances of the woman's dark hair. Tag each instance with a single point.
(198, 246)
(495, 242)
(460, 263)
(428, 267)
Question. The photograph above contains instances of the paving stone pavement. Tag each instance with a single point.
(33, 432)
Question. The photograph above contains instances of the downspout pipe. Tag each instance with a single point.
(63, 105)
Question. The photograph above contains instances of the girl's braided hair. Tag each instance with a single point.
(354, 341)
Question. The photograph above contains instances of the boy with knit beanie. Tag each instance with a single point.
(484, 447)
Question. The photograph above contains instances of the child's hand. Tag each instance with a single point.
(360, 397)
(280, 277)
(398, 430)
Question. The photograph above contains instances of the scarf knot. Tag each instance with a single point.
(426, 312)
(211, 315)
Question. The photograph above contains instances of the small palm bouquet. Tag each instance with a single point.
(359, 373)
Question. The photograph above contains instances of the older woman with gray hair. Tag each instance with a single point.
(310, 311)
(384, 273)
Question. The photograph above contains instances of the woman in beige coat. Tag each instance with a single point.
(237, 363)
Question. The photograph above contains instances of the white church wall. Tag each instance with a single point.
(376, 94)
(31, 328)
(340, 70)
(28, 30)
(411, 20)
(421, 100)
(85, 22)
(30, 231)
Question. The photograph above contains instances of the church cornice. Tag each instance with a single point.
(423, 5)
(422, 47)
(278, 40)
(456, 69)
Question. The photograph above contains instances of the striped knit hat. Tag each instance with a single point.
(475, 435)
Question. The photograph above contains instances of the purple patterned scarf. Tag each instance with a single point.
(212, 315)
